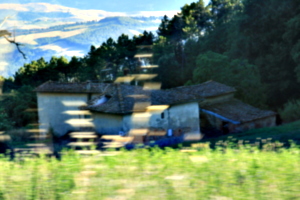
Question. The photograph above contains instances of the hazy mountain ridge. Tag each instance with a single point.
(60, 35)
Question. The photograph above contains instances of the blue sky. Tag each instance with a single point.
(115, 5)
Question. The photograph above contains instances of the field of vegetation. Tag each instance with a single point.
(227, 172)
(283, 133)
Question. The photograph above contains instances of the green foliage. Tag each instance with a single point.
(19, 136)
(17, 107)
(39, 178)
(169, 67)
(262, 34)
(237, 73)
(2, 79)
(266, 35)
(290, 111)
(5, 122)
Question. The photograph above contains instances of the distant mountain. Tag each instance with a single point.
(62, 31)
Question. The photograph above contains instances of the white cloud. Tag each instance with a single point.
(134, 32)
(47, 8)
(3, 66)
(154, 28)
(30, 38)
(155, 13)
(13, 6)
(84, 15)
(62, 51)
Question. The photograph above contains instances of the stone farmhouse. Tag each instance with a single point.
(112, 109)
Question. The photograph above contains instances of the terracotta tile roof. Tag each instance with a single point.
(238, 111)
(206, 89)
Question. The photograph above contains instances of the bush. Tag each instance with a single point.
(19, 135)
(290, 111)
(5, 122)
(17, 105)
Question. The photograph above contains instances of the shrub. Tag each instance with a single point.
(19, 135)
(5, 123)
(290, 111)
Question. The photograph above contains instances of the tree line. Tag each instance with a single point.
(252, 45)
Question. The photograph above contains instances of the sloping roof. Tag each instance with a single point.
(59, 87)
(206, 89)
(237, 111)
(123, 98)
(129, 98)
(163, 97)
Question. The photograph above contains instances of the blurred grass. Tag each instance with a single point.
(200, 173)
(241, 166)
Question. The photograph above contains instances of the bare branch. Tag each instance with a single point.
(17, 45)
(5, 34)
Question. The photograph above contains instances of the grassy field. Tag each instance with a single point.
(249, 165)
(195, 173)
(283, 133)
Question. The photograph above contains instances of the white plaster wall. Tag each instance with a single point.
(53, 107)
(156, 120)
(107, 123)
(185, 116)
(176, 117)
(145, 120)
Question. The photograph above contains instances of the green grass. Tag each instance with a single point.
(282, 133)
(293, 127)
(222, 173)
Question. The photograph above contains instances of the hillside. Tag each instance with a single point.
(62, 31)
(71, 39)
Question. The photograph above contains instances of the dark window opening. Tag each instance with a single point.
(225, 127)
(89, 96)
(162, 115)
(87, 116)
